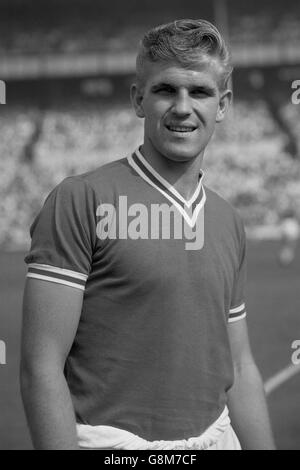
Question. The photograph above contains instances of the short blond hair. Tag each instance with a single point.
(184, 42)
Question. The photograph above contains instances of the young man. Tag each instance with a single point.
(134, 331)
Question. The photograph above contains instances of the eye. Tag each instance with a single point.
(200, 92)
(164, 90)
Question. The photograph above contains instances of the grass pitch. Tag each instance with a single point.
(273, 300)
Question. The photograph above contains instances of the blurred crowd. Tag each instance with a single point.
(252, 160)
(70, 37)
(277, 25)
(51, 33)
(246, 162)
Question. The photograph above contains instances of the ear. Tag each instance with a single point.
(224, 103)
(136, 95)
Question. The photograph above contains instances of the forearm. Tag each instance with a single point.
(248, 410)
(49, 410)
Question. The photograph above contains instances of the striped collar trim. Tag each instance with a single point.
(189, 209)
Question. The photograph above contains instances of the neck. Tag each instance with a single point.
(183, 176)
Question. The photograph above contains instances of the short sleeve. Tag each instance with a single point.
(63, 235)
(238, 307)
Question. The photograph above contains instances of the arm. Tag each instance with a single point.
(51, 314)
(246, 399)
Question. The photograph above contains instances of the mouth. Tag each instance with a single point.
(180, 129)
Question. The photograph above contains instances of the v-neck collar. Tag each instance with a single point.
(189, 209)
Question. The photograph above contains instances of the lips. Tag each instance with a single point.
(180, 128)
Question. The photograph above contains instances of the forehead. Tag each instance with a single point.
(205, 73)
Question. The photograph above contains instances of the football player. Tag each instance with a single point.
(134, 332)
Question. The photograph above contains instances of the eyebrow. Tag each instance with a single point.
(207, 88)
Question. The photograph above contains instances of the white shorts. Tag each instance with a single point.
(219, 436)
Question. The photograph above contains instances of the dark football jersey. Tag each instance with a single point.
(162, 277)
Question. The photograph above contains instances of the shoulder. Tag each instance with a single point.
(92, 184)
(224, 212)
(105, 174)
(218, 203)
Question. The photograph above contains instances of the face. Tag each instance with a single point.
(181, 108)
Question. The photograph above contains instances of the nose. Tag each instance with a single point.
(182, 104)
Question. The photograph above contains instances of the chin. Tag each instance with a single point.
(180, 155)
(180, 158)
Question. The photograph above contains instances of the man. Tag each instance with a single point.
(134, 309)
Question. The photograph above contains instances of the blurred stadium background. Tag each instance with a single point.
(67, 65)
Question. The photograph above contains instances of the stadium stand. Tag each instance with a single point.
(47, 134)
(68, 65)
(38, 27)
(246, 162)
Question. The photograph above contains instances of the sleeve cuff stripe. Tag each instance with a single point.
(61, 277)
(236, 318)
(53, 269)
(237, 309)
(238, 314)
(57, 281)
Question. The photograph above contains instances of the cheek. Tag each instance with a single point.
(211, 113)
(156, 109)
(153, 119)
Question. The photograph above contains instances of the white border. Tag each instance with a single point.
(237, 309)
(57, 281)
(53, 269)
(191, 221)
(168, 185)
(232, 320)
